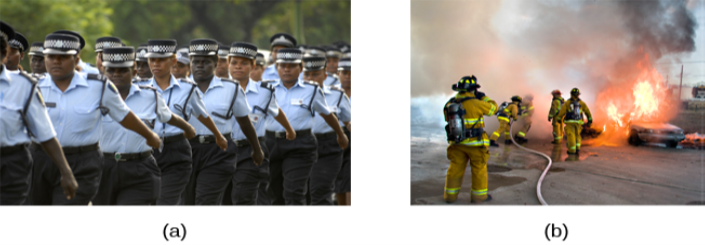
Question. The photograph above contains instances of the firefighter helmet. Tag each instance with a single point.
(554, 92)
(516, 98)
(575, 92)
(466, 83)
(529, 97)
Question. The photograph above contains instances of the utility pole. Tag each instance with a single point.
(680, 89)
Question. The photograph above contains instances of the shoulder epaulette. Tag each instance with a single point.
(97, 77)
(267, 84)
(229, 80)
(336, 89)
(30, 78)
(147, 87)
(186, 80)
(269, 81)
(311, 83)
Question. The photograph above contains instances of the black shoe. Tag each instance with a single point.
(493, 143)
(489, 198)
(555, 143)
(508, 142)
(576, 153)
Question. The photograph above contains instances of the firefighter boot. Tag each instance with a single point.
(508, 142)
(493, 143)
(489, 198)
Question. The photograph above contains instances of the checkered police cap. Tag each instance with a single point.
(61, 44)
(182, 57)
(245, 50)
(73, 33)
(223, 51)
(6, 31)
(36, 49)
(344, 64)
(315, 52)
(118, 56)
(289, 55)
(19, 42)
(141, 52)
(107, 42)
(203, 47)
(260, 59)
(282, 39)
(314, 63)
(160, 48)
(333, 52)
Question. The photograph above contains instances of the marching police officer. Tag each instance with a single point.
(131, 175)
(144, 73)
(277, 41)
(23, 113)
(221, 70)
(85, 68)
(256, 73)
(100, 44)
(213, 168)
(249, 178)
(291, 161)
(330, 155)
(36, 59)
(333, 56)
(182, 67)
(342, 184)
(75, 104)
(185, 100)
(18, 45)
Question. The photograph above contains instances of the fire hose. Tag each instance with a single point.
(545, 171)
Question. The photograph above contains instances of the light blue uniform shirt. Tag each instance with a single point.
(331, 80)
(261, 99)
(14, 92)
(75, 114)
(337, 102)
(294, 102)
(86, 68)
(174, 95)
(217, 98)
(270, 73)
(142, 102)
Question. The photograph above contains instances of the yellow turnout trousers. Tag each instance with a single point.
(459, 156)
(557, 131)
(526, 127)
(572, 131)
(503, 126)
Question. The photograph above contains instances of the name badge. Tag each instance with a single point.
(297, 102)
(256, 117)
(51, 104)
(333, 108)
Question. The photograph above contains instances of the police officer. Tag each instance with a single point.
(256, 73)
(330, 155)
(23, 113)
(248, 177)
(84, 67)
(291, 161)
(556, 104)
(277, 41)
(18, 45)
(221, 70)
(130, 173)
(213, 168)
(333, 56)
(185, 100)
(473, 148)
(36, 59)
(527, 110)
(144, 73)
(511, 111)
(75, 104)
(182, 67)
(100, 44)
(573, 111)
(342, 183)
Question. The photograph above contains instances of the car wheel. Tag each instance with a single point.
(634, 138)
(672, 144)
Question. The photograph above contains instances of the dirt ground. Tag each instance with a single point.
(600, 175)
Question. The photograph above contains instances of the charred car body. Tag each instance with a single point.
(666, 133)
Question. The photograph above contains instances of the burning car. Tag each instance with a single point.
(655, 133)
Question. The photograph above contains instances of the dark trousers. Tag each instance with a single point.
(290, 163)
(135, 182)
(249, 177)
(342, 184)
(15, 177)
(213, 169)
(175, 164)
(325, 170)
(87, 168)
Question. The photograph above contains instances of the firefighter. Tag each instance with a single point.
(556, 105)
(510, 111)
(471, 144)
(572, 110)
(527, 110)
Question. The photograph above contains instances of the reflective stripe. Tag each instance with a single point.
(452, 190)
(503, 119)
(486, 99)
(531, 108)
(505, 133)
(522, 134)
(491, 110)
(479, 192)
(475, 142)
(572, 148)
(472, 121)
(496, 134)
(559, 138)
(578, 144)
(574, 121)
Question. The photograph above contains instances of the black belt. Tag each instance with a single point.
(80, 149)
(12, 149)
(170, 139)
(207, 139)
(122, 157)
(326, 135)
(280, 135)
(245, 142)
